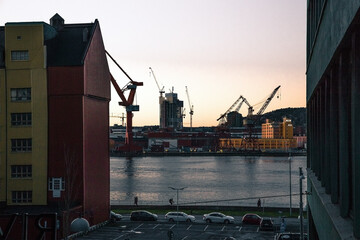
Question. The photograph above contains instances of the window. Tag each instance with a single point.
(20, 94)
(21, 145)
(21, 119)
(56, 184)
(21, 171)
(21, 196)
(20, 55)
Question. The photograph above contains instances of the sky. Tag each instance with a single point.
(219, 49)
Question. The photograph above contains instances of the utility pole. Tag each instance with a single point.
(301, 177)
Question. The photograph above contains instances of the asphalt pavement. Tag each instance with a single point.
(198, 230)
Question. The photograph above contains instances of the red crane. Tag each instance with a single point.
(129, 146)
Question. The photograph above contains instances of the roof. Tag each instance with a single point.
(69, 46)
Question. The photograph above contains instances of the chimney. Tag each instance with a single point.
(57, 22)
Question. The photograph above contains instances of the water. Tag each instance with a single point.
(206, 178)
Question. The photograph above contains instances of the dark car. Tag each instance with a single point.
(143, 215)
(251, 218)
(289, 236)
(266, 224)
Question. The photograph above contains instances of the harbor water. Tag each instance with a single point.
(208, 180)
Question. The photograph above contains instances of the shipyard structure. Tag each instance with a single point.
(54, 108)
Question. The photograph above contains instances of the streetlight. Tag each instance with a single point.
(301, 177)
(290, 181)
(177, 197)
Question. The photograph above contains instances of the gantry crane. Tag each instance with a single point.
(129, 146)
(191, 108)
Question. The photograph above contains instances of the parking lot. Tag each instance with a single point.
(161, 229)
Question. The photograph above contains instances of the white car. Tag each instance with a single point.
(217, 217)
(179, 217)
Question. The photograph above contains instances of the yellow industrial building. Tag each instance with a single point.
(23, 122)
(275, 136)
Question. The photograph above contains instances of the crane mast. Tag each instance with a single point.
(191, 107)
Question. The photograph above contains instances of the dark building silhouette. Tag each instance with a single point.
(333, 101)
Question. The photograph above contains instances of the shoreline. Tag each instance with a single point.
(201, 154)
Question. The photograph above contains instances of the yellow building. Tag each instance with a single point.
(275, 136)
(23, 108)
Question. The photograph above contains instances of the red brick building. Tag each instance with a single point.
(73, 137)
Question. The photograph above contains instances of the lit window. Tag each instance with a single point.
(21, 196)
(21, 145)
(21, 119)
(20, 94)
(20, 55)
(21, 171)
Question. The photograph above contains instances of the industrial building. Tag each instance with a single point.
(274, 136)
(54, 108)
(333, 100)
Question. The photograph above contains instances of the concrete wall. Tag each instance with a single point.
(328, 38)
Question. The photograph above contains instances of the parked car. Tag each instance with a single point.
(115, 216)
(142, 215)
(251, 218)
(289, 236)
(179, 216)
(217, 217)
(266, 224)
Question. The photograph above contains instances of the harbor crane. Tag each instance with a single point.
(241, 99)
(191, 108)
(129, 146)
(161, 90)
(251, 120)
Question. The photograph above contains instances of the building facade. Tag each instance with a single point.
(54, 108)
(333, 87)
(171, 111)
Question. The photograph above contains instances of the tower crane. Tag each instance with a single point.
(122, 117)
(129, 146)
(191, 107)
(161, 91)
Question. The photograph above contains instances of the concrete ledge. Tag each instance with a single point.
(330, 213)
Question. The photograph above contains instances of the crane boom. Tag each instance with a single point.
(223, 115)
(268, 100)
(161, 91)
(191, 107)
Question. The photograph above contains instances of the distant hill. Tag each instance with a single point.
(297, 116)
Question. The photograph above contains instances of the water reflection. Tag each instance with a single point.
(207, 179)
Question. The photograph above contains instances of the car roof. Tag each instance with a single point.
(251, 214)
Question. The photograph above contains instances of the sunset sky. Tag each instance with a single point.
(219, 49)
